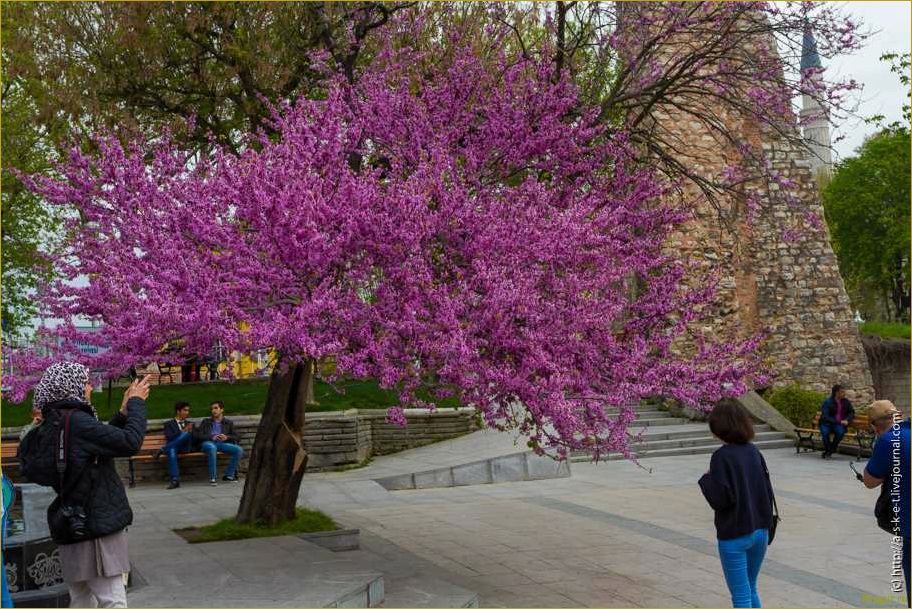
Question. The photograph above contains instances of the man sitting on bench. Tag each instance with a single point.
(178, 435)
(836, 413)
(217, 435)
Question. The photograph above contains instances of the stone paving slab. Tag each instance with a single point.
(275, 571)
(637, 538)
(613, 534)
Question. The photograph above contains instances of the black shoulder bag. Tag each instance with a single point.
(776, 519)
(69, 520)
(883, 509)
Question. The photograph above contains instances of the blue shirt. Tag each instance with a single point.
(890, 462)
(216, 428)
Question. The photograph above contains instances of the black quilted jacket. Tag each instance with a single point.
(91, 479)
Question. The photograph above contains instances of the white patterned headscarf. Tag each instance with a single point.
(61, 381)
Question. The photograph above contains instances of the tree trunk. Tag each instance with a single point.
(278, 459)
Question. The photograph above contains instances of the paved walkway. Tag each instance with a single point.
(611, 535)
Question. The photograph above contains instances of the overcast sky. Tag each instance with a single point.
(882, 92)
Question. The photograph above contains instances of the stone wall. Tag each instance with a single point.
(333, 440)
(770, 248)
(890, 360)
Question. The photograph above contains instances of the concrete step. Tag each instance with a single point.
(656, 422)
(419, 591)
(704, 440)
(698, 430)
(367, 593)
(646, 416)
(783, 442)
(692, 436)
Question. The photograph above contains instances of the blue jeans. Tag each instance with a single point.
(210, 447)
(906, 563)
(741, 560)
(5, 599)
(179, 444)
(831, 428)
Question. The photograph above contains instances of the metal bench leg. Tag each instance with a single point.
(132, 474)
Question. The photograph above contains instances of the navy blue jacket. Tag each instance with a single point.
(172, 430)
(738, 489)
(828, 411)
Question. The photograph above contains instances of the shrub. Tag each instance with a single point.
(797, 404)
(885, 329)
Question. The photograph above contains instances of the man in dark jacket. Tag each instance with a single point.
(836, 413)
(217, 434)
(88, 519)
(178, 436)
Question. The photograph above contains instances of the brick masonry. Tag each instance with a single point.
(777, 274)
(890, 365)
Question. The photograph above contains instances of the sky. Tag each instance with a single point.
(882, 93)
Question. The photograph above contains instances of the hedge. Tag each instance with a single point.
(797, 404)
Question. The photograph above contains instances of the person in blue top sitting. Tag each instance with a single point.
(836, 413)
(216, 434)
(889, 464)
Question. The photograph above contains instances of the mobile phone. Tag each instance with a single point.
(857, 473)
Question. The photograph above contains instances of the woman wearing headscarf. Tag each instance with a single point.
(88, 519)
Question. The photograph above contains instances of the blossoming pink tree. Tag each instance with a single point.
(456, 221)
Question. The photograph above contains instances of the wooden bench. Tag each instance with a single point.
(150, 447)
(9, 457)
(859, 430)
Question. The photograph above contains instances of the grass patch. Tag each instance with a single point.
(239, 397)
(886, 329)
(306, 521)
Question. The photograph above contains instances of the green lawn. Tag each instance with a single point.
(240, 397)
(306, 521)
(885, 329)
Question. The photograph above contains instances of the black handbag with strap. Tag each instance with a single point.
(776, 518)
(883, 510)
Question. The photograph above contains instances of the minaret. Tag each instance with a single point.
(814, 121)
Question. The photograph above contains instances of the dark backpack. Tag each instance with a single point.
(37, 455)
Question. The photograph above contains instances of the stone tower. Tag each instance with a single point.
(777, 275)
(814, 121)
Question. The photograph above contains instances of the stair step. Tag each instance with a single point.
(650, 445)
(370, 593)
(704, 440)
(423, 592)
(674, 434)
(634, 425)
(646, 416)
(697, 450)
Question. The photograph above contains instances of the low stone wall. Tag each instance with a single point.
(889, 360)
(334, 440)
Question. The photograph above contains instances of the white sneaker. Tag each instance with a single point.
(212, 482)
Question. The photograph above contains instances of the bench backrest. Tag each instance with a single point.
(9, 449)
(860, 422)
(153, 442)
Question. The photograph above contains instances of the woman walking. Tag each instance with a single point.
(738, 489)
